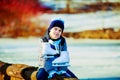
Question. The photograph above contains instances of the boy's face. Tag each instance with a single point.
(55, 32)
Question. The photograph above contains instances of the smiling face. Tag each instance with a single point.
(55, 32)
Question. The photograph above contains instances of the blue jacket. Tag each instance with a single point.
(62, 47)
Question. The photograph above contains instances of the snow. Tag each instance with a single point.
(88, 58)
(87, 21)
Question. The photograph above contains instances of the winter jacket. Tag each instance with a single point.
(61, 56)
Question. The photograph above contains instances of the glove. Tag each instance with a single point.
(62, 60)
(47, 51)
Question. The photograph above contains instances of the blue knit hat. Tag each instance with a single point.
(58, 23)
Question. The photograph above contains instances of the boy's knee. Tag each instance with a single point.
(42, 74)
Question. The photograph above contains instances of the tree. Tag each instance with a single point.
(15, 13)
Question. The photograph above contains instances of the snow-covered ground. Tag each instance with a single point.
(86, 21)
(88, 58)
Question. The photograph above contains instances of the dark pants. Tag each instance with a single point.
(42, 74)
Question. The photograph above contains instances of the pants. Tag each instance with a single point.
(43, 75)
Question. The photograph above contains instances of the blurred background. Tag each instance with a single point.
(92, 31)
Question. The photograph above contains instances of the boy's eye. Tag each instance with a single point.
(60, 30)
(55, 28)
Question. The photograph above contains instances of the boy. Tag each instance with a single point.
(54, 51)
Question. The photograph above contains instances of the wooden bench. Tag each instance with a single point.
(22, 72)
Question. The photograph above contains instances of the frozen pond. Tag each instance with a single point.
(89, 59)
(84, 21)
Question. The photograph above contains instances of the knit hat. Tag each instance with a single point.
(58, 23)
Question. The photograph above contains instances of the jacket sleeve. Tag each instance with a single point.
(40, 59)
(43, 50)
